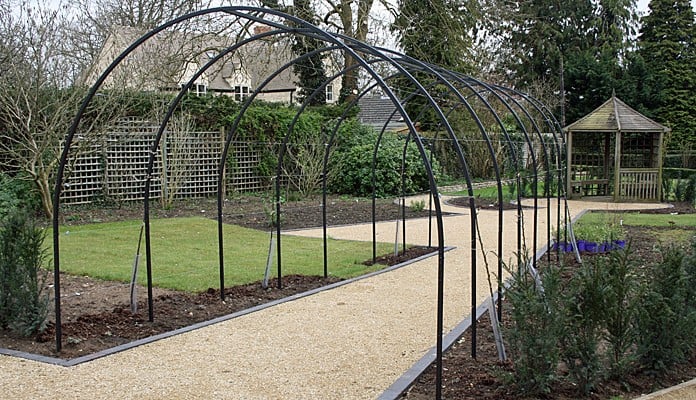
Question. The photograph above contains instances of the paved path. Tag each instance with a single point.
(351, 342)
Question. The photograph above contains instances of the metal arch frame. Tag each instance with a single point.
(487, 105)
(402, 63)
(535, 166)
(424, 157)
(245, 107)
(172, 107)
(474, 220)
(545, 115)
(560, 146)
(67, 146)
(547, 162)
(484, 133)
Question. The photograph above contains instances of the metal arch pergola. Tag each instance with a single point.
(460, 92)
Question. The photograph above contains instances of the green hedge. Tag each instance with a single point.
(679, 184)
(353, 164)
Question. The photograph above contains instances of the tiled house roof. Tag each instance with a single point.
(378, 111)
(168, 61)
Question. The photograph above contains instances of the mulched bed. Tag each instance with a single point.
(482, 378)
(253, 211)
(97, 316)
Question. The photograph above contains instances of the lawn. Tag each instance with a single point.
(491, 192)
(185, 253)
(637, 219)
(658, 221)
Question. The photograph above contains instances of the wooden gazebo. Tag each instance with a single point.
(615, 151)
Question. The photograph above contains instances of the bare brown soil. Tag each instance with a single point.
(483, 378)
(96, 314)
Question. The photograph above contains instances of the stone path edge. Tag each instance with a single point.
(150, 339)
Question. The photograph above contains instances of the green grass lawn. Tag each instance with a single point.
(490, 192)
(676, 222)
(185, 253)
(637, 219)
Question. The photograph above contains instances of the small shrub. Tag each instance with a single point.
(607, 230)
(690, 190)
(535, 327)
(271, 211)
(583, 302)
(621, 304)
(16, 193)
(666, 325)
(417, 206)
(689, 264)
(23, 301)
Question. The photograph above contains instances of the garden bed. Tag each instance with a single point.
(483, 378)
(96, 314)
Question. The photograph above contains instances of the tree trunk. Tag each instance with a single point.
(44, 186)
(359, 32)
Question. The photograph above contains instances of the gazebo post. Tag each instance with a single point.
(659, 165)
(617, 165)
(569, 165)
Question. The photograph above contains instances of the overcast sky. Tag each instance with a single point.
(643, 5)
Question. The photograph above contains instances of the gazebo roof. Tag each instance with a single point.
(614, 116)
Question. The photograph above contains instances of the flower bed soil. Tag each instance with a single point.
(482, 378)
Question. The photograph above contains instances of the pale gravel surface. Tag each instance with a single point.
(684, 391)
(351, 342)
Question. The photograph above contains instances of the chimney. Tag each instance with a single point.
(259, 29)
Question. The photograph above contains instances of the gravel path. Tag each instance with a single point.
(350, 342)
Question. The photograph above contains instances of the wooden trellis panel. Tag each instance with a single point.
(84, 178)
(115, 168)
(127, 155)
(198, 155)
(245, 175)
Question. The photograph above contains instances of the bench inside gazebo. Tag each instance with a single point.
(615, 151)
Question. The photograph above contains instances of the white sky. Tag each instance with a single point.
(643, 5)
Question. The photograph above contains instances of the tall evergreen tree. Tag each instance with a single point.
(580, 43)
(667, 44)
(310, 71)
(438, 32)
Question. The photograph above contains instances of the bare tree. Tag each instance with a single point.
(37, 103)
(351, 17)
(178, 156)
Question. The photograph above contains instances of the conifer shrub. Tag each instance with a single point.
(666, 320)
(23, 298)
(536, 324)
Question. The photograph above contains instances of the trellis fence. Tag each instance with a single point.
(114, 167)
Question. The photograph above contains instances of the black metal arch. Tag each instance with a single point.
(459, 86)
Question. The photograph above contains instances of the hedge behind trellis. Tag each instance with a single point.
(251, 163)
